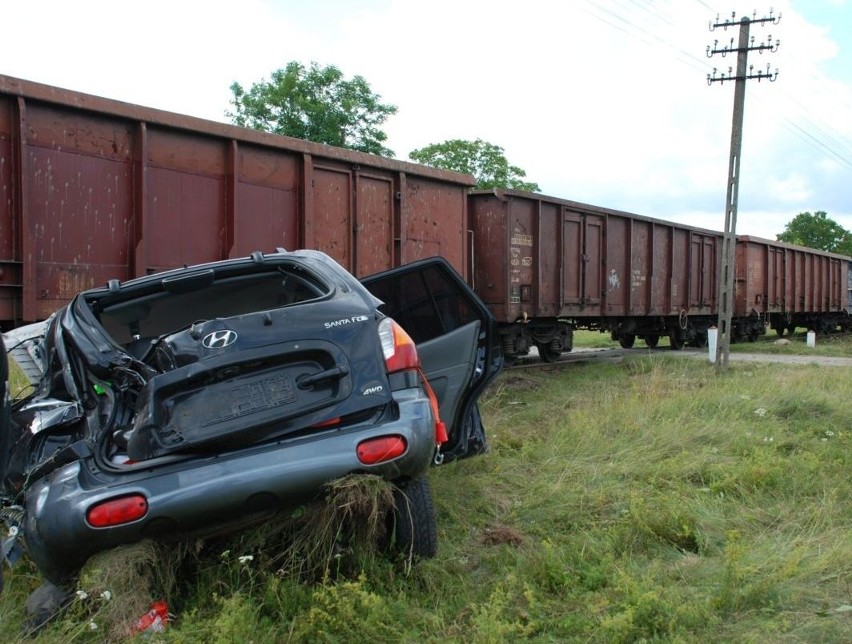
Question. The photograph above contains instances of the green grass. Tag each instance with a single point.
(595, 340)
(19, 387)
(836, 345)
(651, 500)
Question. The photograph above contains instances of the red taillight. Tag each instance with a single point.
(398, 347)
(379, 450)
(117, 511)
(331, 422)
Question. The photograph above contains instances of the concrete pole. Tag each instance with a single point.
(727, 283)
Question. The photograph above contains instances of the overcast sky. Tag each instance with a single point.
(604, 102)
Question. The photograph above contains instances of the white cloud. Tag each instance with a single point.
(600, 101)
(794, 188)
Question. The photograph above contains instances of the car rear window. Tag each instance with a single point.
(165, 312)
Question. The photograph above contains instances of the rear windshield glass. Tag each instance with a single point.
(166, 312)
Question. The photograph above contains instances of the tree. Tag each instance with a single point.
(316, 104)
(818, 231)
(485, 161)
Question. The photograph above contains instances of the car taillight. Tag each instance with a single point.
(117, 511)
(331, 422)
(398, 347)
(378, 450)
(400, 355)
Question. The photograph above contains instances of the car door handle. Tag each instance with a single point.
(335, 373)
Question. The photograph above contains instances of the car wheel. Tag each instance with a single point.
(414, 529)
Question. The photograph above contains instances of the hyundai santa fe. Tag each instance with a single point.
(200, 400)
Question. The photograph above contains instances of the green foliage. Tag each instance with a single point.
(339, 611)
(317, 104)
(817, 230)
(485, 161)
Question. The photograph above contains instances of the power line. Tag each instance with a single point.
(833, 142)
(824, 139)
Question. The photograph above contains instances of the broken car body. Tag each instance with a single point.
(200, 400)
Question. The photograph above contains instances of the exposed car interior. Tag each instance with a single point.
(134, 324)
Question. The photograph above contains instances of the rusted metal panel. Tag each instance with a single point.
(536, 256)
(430, 223)
(571, 271)
(267, 200)
(774, 277)
(541, 256)
(593, 263)
(78, 189)
(94, 189)
(374, 223)
(185, 199)
(490, 224)
(704, 271)
(332, 197)
(547, 289)
(10, 265)
(518, 252)
(524, 244)
(655, 267)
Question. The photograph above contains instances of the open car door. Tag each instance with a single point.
(456, 338)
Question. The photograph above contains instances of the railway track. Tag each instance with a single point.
(532, 360)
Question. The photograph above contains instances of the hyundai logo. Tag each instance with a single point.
(219, 339)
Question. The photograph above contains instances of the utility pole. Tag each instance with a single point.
(744, 72)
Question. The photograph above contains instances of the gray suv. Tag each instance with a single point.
(203, 399)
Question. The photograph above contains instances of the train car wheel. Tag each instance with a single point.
(676, 341)
(626, 341)
(651, 341)
(700, 339)
(547, 354)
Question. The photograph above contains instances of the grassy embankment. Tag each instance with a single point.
(647, 500)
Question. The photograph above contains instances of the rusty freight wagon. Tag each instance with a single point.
(93, 189)
(783, 286)
(547, 266)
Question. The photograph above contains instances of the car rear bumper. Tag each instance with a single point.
(206, 494)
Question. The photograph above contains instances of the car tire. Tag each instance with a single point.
(414, 528)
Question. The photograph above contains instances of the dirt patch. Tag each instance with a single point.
(501, 534)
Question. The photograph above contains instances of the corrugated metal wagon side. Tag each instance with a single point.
(784, 286)
(660, 279)
(93, 189)
(537, 265)
(547, 266)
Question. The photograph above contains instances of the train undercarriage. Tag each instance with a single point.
(554, 336)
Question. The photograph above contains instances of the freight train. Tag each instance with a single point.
(547, 266)
(93, 189)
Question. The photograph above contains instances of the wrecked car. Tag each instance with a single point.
(200, 400)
